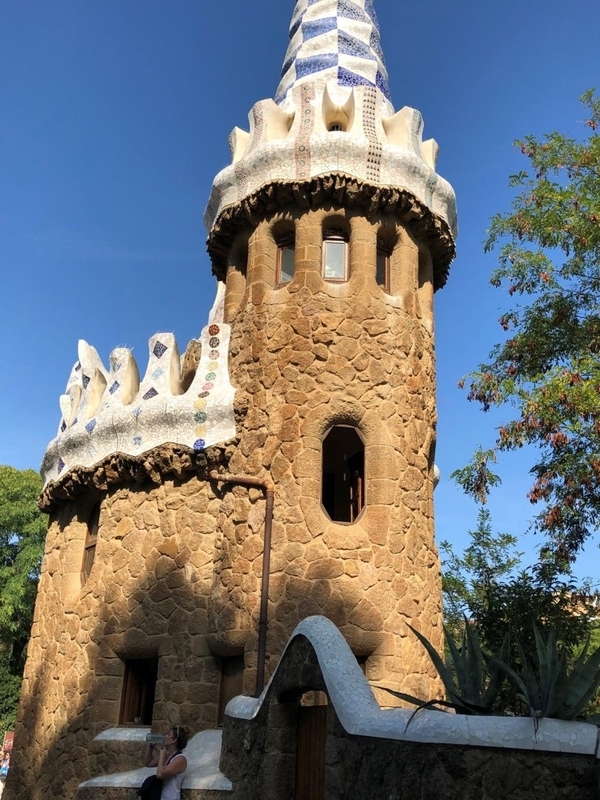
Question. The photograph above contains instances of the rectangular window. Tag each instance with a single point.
(286, 256)
(232, 682)
(383, 268)
(335, 260)
(139, 687)
(91, 540)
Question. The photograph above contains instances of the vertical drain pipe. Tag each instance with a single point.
(269, 489)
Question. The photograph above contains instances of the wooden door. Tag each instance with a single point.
(310, 756)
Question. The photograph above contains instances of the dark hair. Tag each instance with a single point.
(181, 735)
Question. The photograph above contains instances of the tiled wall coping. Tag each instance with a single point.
(360, 714)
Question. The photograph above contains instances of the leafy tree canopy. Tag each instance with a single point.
(22, 532)
(547, 368)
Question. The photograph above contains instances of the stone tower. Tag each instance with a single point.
(305, 412)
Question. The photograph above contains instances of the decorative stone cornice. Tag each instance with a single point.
(328, 130)
(167, 462)
(340, 190)
(106, 412)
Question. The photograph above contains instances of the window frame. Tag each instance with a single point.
(335, 235)
(354, 504)
(287, 242)
(138, 691)
(384, 250)
(91, 541)
(231, 683)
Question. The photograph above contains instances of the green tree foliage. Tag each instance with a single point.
(488, 585)
(547, 368)
(22, 532)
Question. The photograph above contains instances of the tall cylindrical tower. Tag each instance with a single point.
(313, 384)
(332, 231)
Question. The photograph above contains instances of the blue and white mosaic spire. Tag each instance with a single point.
(334, 40)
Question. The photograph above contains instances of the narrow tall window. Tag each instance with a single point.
(343, 480)
(286, 258)
(232, 682)
(383, 265)
(139, 688)
(91, 540)
(335, 255)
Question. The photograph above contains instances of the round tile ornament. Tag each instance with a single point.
(203, 394)
(214, 342)
(199, 444)
(208, 386)
(214, 330)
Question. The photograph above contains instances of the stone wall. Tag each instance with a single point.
(304, 357)
(259, 753)
(146, 596)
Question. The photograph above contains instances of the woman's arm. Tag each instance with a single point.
(151, 759)
(176, 766)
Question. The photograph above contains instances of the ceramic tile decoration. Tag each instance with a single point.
(334, 39)
(334, 86)
(361, 715)
(103, 414)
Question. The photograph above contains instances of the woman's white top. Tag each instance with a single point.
(172, 786)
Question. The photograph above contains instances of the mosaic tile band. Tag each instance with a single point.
(334, 40)
(113, 411)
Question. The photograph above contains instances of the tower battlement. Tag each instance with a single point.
(107, 411)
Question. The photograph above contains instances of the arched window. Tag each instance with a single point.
(335, 255)
(91, 539)
(382, 274)
(343, 478)
(286, 258)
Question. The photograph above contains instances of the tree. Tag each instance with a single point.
(547, 368)
(488, 586)
(22, 532)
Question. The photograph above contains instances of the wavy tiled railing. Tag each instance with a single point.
(106, 411)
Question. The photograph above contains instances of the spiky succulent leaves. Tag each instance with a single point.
(526, 687)
(551, 668)
(581, 684)
(464, 680)
(443, 671)
(496, 675)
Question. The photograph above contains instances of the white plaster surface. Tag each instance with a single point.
(202, 753)
(360, 714)
(394, 155)
(113, 411)
(123, 735)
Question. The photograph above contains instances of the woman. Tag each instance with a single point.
(170, 762)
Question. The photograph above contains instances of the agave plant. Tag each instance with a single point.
(552, 690)
(471, 678)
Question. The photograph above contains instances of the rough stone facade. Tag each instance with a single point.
(177, 566)
(259, 756)
(323, 354)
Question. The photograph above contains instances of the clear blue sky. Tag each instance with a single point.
(114, 119)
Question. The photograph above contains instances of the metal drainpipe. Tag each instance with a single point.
(269, 489)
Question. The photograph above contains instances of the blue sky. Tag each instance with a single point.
(115, 117)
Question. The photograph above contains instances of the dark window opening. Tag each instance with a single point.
(139, 687)
(383, 265)
(232, 682)
(343, 483)
(335, 255)
(286, 258)
(91, 540)
(336, 126)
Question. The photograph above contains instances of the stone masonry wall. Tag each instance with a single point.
(259, 756)
(146, 596)
(304, 357)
